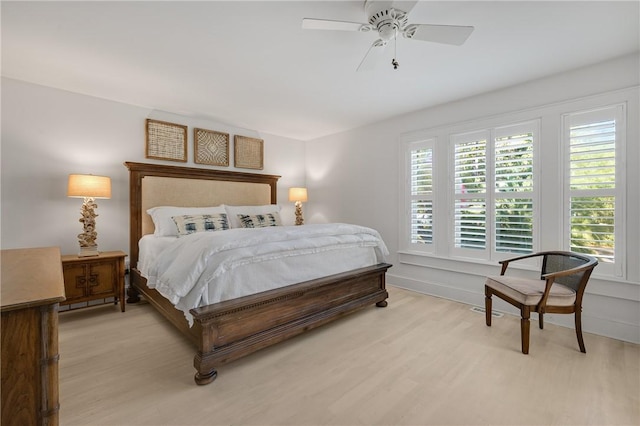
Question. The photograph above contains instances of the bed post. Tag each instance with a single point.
(135, 227)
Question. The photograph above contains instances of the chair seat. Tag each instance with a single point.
(529, 291)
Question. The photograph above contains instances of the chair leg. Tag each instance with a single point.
(524, 328)
(541, 320)
(579, 331)
(487, 305)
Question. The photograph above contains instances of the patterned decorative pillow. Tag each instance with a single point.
(233, 212)
(259, 220)
(164, 224)
(190, 224)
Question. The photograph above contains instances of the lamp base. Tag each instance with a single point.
(299, 218)
(88, 251)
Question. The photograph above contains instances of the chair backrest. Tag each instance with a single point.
(562, 261)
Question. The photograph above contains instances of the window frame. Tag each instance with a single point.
(490, 134)
(406, 243)
(468, 138)
(619, 114)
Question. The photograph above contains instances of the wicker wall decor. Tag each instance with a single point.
(166, 141)
(211, 147)
(248, 152)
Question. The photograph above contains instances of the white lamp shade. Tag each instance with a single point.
(90, 186)
(298, 194)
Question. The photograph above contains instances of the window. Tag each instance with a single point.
(470, 182)
(592, 144)
(548, 178)
(514, 191)
(493, 174)
(420, 197)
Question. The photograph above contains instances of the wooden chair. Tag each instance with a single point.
(559, 290)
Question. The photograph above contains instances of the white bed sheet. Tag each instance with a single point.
(245, 275)
(149, 247)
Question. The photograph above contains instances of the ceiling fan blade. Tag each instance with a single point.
(447, 34)
(326, 24)
(373, 56)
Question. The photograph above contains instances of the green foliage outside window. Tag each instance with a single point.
(513, 174)
(592, 180)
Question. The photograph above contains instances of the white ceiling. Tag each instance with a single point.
(251, 65)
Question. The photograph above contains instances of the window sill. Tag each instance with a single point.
(603, 285)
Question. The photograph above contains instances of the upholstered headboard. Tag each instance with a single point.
(152, 185)
(169, 191)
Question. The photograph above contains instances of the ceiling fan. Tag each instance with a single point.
(390, 18)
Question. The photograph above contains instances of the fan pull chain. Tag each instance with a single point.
(395, 51)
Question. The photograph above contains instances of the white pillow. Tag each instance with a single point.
(164, 224)
(234, 211)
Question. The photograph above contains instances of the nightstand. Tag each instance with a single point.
(94, 277)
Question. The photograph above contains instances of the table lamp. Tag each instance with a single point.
(299, 195)
(88, 187)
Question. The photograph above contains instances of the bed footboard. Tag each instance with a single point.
(239, 327)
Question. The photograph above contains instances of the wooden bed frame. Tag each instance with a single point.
(228, 330)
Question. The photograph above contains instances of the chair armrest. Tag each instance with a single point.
(505, 263)
(541, 253)
(526, 256)
(592, 261)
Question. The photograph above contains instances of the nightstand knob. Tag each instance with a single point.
(93, 280)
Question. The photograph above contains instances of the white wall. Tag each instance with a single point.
(354, 177)
(48, 134)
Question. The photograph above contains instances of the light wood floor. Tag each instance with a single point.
(422, 360)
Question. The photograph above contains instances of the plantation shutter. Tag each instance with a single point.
(470, 191)
(494, 208)
(513, 182)
(421, 183)
(592, 183)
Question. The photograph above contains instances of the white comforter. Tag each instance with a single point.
(198, 269)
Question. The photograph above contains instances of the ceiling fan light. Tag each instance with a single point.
(387, 32)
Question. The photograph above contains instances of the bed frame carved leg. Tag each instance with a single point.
(135, 281)
(206, 378)
(133, 295)
(205, 372)
(382, 304)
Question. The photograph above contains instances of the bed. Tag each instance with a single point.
(230, 329)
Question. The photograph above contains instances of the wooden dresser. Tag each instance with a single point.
(31, 289)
